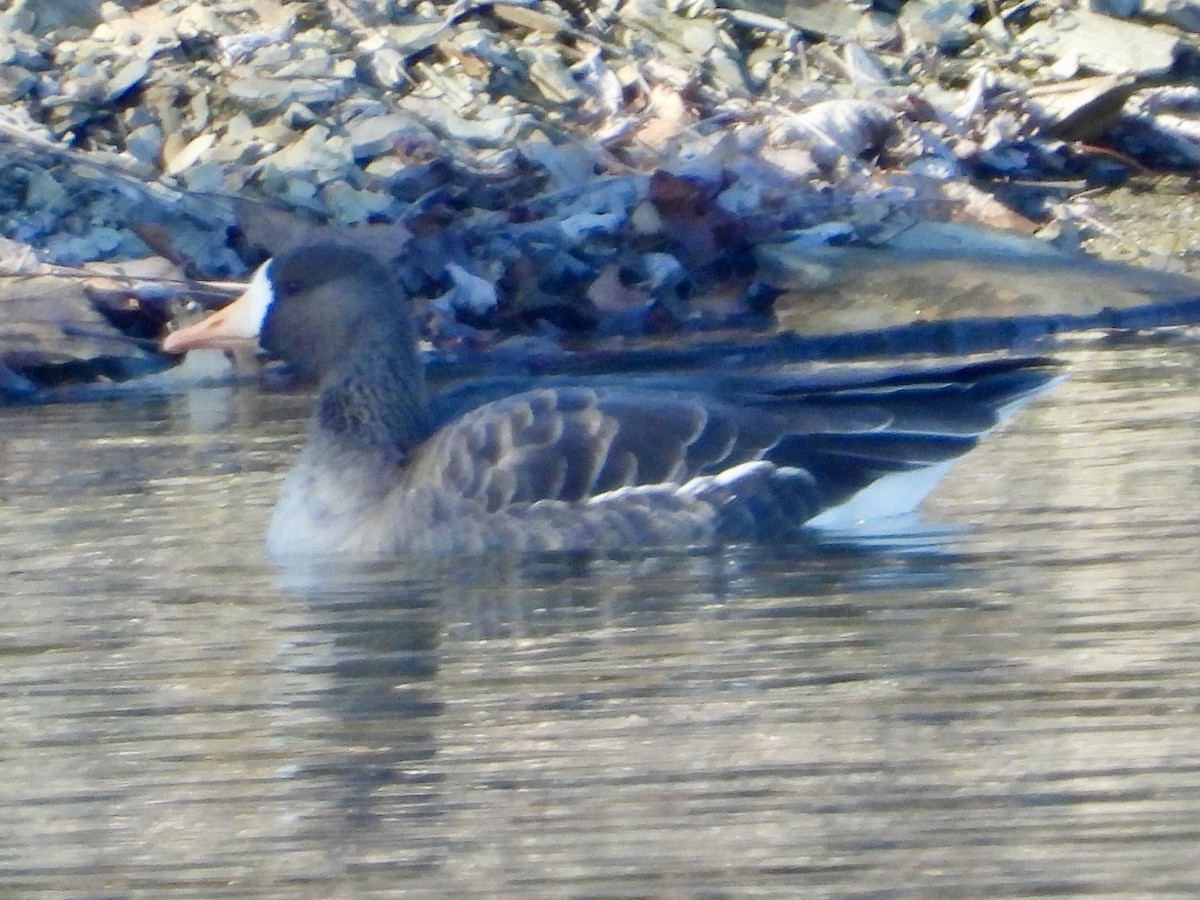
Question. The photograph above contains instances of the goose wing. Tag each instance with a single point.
(575, 443)
(571, 442)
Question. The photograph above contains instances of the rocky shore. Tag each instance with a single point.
(570, 171)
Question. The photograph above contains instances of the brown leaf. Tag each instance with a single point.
(609, 293)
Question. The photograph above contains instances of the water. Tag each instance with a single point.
(1004, 701)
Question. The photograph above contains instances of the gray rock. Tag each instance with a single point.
(106, 239)
(206, 247)
(1183, 14)
(86, 83)
(299, 192)
(146, 144)
(298, 117)
(350, 206)
(69, 249)
(372, 137)
(15, 83)
(1103, 44)
(414, 37)
(314, 67)
(51, 15)
(276, 133)
(945, 24)
(198, 107)
(1081, 109)
(241, 47)
(45, 194)
(317, 155)
(206, 177)
(127, 78)
(549, 75)
(1121, 9)
(866, 71)
(387, 68)
(499, 130)
(266, 94)
(728, 75)
(240, 128)
(360, 107)
(20, 49)
(190, 154)
(139, 116)
(386, 169)
(833, 18)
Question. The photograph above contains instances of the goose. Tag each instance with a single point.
(581, 463)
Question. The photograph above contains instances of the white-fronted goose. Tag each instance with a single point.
(581, 464)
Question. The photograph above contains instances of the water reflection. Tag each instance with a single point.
(999, 703)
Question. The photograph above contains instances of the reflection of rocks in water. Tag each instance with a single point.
(582, 596)
(377, 643)
(434, 653)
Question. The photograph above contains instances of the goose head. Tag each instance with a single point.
(311, 307)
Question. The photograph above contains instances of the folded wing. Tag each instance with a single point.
(815, 443)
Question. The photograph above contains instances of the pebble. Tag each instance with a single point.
(190, 153)
(130, 76)
(945, 24)
(15, 83)
(375, 136)
(350, 206)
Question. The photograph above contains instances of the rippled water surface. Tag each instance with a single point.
(1005, 701)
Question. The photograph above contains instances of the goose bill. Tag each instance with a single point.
(231, 326)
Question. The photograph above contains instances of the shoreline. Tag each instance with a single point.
(605, 171)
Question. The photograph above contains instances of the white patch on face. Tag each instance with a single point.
(252, 306)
